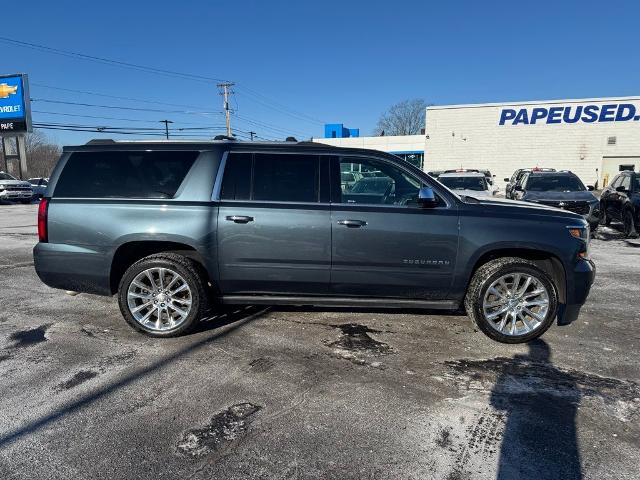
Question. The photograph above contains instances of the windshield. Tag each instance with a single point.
(371, 185)
(477, 184)
(554, 183)
(6, 176)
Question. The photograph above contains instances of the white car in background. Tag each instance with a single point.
(39, 186)
(470, 184)
(14, 190)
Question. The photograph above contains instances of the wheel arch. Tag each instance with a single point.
(130, 252)
(546, 261)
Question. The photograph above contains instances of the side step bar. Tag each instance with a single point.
(339, 302)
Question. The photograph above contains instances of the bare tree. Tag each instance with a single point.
(42, 155)
(404, 118)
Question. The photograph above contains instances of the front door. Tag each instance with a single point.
(383, 243)
(274, 234)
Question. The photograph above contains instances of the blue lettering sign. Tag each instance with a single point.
(11, 98)
(613, 112)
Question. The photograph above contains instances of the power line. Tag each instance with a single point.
(116, 97)
(266, 101)
(68, 53)
(186, 112)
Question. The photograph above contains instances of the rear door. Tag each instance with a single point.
(383, 243)
(274, 231)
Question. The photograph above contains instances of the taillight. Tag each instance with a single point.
(43, 210)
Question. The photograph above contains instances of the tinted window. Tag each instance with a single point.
(478, 184)
(285, 178)
(124, 174)
(637, 184)
(554, 183)
(378, 183)
(236, 184)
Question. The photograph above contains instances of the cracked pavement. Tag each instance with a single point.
(313, 393)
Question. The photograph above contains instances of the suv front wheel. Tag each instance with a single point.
(162, 295)
(511, 300)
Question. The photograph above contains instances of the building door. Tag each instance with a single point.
(611, 166)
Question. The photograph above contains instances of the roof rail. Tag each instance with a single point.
(100, 141)
(225, 137)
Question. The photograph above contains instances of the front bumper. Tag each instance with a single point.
(578, 285)
(15, 195)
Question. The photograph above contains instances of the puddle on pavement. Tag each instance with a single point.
(27, 338)
(539, 376)
(223, 429)
(78, 379)
(355, 338)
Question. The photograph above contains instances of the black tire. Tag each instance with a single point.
(188, 270)
(490, 272)
(629, 224)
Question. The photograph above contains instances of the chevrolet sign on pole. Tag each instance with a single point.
(15, 105)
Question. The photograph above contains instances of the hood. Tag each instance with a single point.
(14, 183)
(585, 196)
(503, 205)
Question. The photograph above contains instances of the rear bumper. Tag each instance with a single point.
(579, 283)
(71, 267)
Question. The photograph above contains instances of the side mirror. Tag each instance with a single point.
(506, 180)
(590, 188)
(621, 189)
(426, 197)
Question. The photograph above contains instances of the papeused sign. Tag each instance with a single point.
(15, 105)
(613, 112)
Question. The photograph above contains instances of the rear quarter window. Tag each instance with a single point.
(121, 174)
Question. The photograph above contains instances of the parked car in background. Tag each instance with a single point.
(14, 190)
(39, 185)
(472, 184)
(517, 176)
(620, 201)
(561, 190)
(176, 229)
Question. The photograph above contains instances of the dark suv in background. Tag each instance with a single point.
(620, 201)
(177, 228)
(561, 190)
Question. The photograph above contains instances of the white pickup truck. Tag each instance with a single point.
(14, 190)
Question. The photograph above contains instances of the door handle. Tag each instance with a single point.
(239, 219)
(352, 223)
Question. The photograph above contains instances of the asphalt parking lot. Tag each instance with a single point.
(294, 393)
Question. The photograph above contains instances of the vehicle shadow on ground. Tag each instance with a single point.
(386, 311)
(539, 439)
(212, 328)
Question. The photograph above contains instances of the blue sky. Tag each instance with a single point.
(298, 64)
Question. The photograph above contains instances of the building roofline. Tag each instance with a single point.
(532, 102)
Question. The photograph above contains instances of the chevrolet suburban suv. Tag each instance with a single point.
(177, 229)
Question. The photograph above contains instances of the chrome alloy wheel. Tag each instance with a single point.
(159, 299)
(516, 304)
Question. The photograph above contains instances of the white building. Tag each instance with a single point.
(595, 138)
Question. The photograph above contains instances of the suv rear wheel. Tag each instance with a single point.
(162, 295)
(511, 300)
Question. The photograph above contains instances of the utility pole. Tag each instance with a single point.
(226, 86)
(166, 127)
(252, 134)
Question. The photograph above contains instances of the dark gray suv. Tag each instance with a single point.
(176, 229)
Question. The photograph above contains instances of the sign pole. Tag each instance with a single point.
(21, 142)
